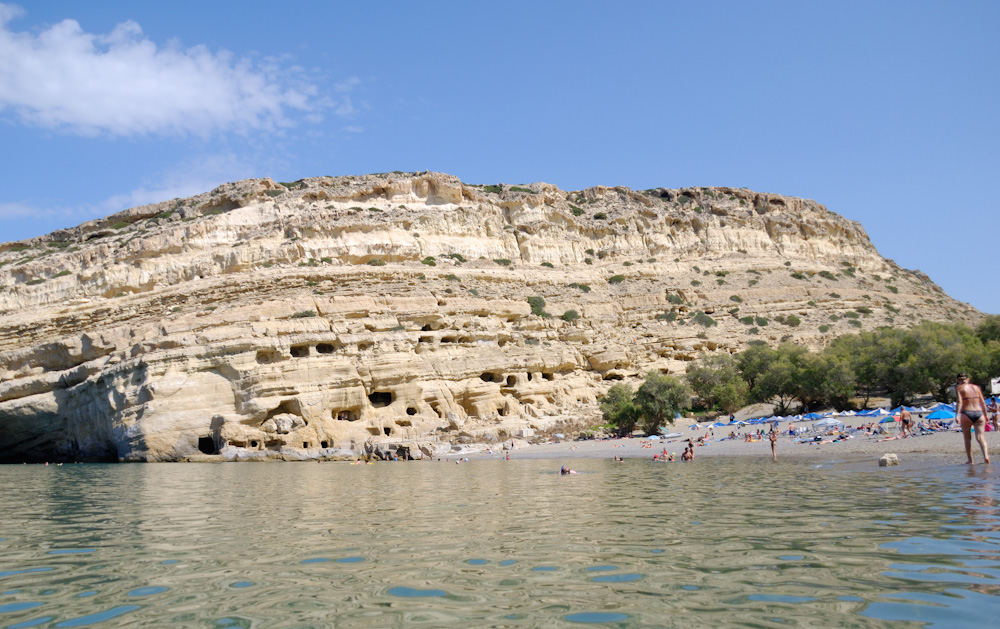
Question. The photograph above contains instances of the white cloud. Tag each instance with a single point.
(123, 84)
(200, 174)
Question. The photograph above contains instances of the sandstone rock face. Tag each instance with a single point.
(320, 317)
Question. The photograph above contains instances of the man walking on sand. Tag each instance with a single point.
(905, 420)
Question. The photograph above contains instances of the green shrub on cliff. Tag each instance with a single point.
(538, 306)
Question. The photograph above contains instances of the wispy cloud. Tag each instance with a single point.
(198, 175)
(123, 84)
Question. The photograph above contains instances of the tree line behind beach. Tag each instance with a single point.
(896, 363)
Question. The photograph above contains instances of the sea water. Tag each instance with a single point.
(720, 542)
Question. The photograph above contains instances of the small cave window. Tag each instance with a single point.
(253, 444)
(411, 410)
(346, 415)
(613, 376)
(300, 351)
(449, 339)
(549, 376)
(265, 357)
(426, 328)
(305, 445)
(426, 339)
(387, 430)
(381, 399)
(511, 381)
(206, 445)
(324, 444)
(501, 412)
(529, 376)
(325, 348)
(487, 377)
(440, 413)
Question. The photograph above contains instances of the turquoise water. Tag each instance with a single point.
(726, 542)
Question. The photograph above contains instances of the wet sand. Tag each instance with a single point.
(942, 448)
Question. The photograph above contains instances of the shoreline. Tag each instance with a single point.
(940, 448)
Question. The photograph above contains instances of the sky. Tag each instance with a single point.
(886, 112)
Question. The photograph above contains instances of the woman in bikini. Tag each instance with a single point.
(971, 410)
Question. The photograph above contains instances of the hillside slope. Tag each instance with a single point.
(310, 319)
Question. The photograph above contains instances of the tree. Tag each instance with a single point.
(753, 361)
(658, 399)
(854, 351)
(778, 374)
(716, 379)
(989, 329)
(618, 408)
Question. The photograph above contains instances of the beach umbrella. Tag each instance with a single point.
(829, 422)
(887, 420)
(717, 425)
(879, 412)
(941, 414)
(811, 416)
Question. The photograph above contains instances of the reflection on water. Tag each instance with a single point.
(503, 544)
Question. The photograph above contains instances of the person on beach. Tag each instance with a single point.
(774, 444)
(904, 420)
(970, 409)
(993, 408)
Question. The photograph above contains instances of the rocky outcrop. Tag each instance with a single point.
(315, 318)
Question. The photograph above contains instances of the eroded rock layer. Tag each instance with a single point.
(330, 315)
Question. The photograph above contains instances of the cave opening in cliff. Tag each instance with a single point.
(325, 348)
(549, 376)
(529, 376)
(411, 410)
(381, 399)
(511, 381)
(346, 415)
(387, 430)
(265, 357)
(491, 377)
(206, 445)
(291, 406)
(253, 444)
(324, 444)
(300, 351)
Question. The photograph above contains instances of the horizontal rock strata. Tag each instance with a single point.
(395, 312)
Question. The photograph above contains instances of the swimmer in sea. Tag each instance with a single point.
(971, 408)
(774, 443)
(565, 470)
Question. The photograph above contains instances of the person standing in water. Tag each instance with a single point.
(971, 411)
(774, 443)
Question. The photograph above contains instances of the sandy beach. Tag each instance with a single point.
(941, 448)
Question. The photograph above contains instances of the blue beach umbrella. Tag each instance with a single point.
(941, 414)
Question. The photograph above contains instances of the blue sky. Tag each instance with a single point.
(886, 112)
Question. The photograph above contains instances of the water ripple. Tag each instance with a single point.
(720, 542)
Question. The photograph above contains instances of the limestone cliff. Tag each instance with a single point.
(314, 318)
